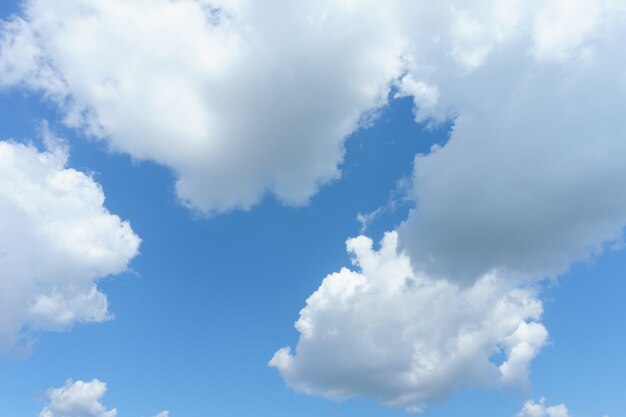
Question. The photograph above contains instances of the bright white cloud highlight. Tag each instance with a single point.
(80, 399)
(241, 98)
(56, 240)
(402, 338)
(77, 399)
(533, 409)
(238, 98)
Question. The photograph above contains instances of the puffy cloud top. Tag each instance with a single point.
(531, 177)
(80, 399)
(237, 101)
(402, 338)
(533, 409)
(56, 240)
(241, 99)
(77, 399)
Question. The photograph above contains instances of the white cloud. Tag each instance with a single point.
(241, 98)
(80, 399)
(77, 399)
(521, 347)
(402, 338)
(531, 178)
(56, 241)
(533, 409)
(238, 98)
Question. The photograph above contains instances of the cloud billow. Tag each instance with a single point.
(403, 338)
(530, 181)
(531, 177)
(56, 241)
(241, 99)
(240, 103)
(80, 399)
(237, 102)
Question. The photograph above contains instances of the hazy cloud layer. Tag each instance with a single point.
(403, 338)
(56, 241)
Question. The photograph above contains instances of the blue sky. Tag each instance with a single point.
(218, 281)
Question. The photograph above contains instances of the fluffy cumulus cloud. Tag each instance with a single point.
(80, 399)
(530, 180)
(403, 338)
(531, 177)
(56, 241)
(238, 98)
(241, 98)
(533, 409)
(77, 399)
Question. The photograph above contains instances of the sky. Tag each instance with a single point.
(312, 208)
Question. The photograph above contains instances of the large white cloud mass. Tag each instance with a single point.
(239, 98)
(80, 399)
(532, 176)
(530, 181)
(56, 241)
(403, 338)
